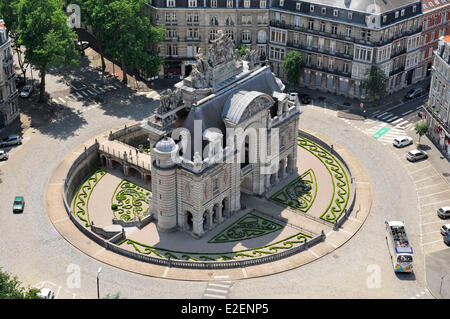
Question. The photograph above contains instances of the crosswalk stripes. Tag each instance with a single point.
(387, 137)
(217, 289)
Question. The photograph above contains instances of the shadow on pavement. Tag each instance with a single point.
(405, 276)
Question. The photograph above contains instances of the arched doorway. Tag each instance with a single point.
(205, 220)
(103, 160)
(189, 223)
(215, 214)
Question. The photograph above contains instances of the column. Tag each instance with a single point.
(267, 181)
(197, 226)
(284, 168)
(220, 211)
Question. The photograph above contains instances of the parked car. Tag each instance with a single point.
(46, 293)
(26, 90)
(11, 140)
(402, 141)
(82, 45)
(416, 155)
(305, 98)
(19, 204)
(3, 155)
(414, 93)
(445, 229)
(444, 212)
(422, 114)
(447, 239)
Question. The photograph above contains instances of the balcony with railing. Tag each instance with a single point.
(172, 39)
(342, 36)
(397, 71)
(193, 39)
(318, 50)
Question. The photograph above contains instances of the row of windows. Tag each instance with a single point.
(193, 4)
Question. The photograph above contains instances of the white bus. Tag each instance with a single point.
(399, 248)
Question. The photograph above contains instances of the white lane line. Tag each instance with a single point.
(244, 272)
(446, 191)
(433, 242)
(396, 121)
(386, 116)
(166, 271)
(219, 277)
(419, 107)
(407, 112)
(404, 122)
(382, 114)
(219, 285)
(84, 93)
(90, 92)
(78, 94)
(392, 118)
(214, 296)
(424, 179)
(435, 222)
(438, 202)
(431, 232)
(62, 100)
(421, 188)
(222, 291)
(418, 170)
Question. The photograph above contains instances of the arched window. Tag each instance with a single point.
(229, 21)
(214, 20)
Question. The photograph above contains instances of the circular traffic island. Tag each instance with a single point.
(302, 217)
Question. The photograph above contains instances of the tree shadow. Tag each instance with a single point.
(423, 147)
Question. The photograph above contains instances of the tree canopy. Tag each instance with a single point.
(10, 288)
(375, 83)
(44, 32)
(421, 128)
(293, 66)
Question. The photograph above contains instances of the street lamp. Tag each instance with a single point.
(98, 287)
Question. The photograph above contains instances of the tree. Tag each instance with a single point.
(242, 49)
(8, 12)
(10, 288)
(131, 39)
(375, 83)
(48, 40)
(96, 14)
(421, 128)
(293, 66)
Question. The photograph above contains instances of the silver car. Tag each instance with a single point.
(444, 212)
(416, 155)
(445, 229)
(11, 140)
(26, 90)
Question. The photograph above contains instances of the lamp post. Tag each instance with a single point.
(98, 282)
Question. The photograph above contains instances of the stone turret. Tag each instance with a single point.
(164, 184)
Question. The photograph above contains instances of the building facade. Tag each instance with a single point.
(8, 93)
(438, 108)
(435, 24)
(193, 24)
(341, 40)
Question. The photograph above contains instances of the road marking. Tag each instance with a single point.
(217, 290)
(423, 179)
(84, 93)
(92, 93)
(62, 100)
(407, 112)
(219, 277)
(420, 188)
(431, 232)
(382, 114)
(418, 170)
(386, 116)
(380, 132)
(244, 272)
(166, 271)
(313, 253)
(441, 201)
(396, 121)
(219, 285)
(448, 190)
(214, 296)
(404, 122)
(433, 242)
(435, 222)
(392, 118)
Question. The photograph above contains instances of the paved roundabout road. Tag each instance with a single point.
(34, 250)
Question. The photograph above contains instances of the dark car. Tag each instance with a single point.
(447, 239)
(305, 98)
(422, 114)
(11, 140)
(414, 93)
(19, 204)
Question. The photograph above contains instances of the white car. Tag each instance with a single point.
(416, 155)
(402, 141)
(46, 293)
(3, 155)
(445, 229)
(26, 90)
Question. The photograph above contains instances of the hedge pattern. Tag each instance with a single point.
(247, 227)
(341, 186)
(81, 199)
(300, 193)
(130, 201)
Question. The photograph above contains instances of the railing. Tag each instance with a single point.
(125, 131)
(318, 50)
(130, 159)
(396, 71)
(193, 39)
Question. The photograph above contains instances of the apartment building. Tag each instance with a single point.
(8, 92)
(435, 24)
(341, 40)
(193, 24)
(438, 109)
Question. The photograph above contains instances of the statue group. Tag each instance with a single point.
(170, 101)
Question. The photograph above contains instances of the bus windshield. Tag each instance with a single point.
(404, 259)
